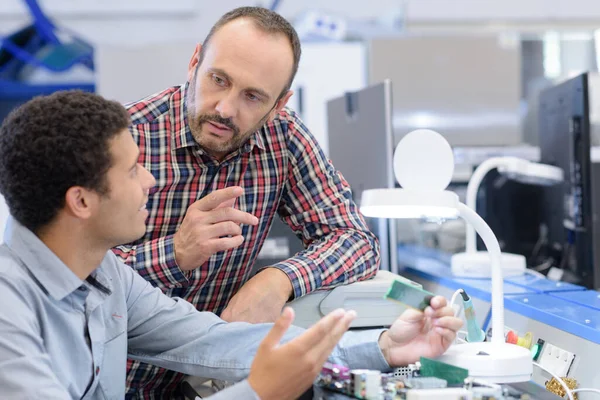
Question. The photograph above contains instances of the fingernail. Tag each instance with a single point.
(352, 314)
(439, 330)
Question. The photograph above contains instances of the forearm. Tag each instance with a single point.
(343, 256)
(201, 344)
(154, 260)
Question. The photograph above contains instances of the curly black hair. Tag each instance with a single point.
(51, 144)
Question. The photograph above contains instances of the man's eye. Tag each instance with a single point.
(218, 80)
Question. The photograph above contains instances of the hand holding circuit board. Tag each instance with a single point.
(426, 329)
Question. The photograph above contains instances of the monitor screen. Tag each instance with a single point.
(361, 146)
(564, 134)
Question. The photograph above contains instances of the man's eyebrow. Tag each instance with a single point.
(258, 91)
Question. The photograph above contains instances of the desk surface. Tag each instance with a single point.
(574, 308)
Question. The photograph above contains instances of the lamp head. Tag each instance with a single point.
(423, 160)
(532, 173)
(423, 166)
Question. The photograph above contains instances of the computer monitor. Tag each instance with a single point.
(361, 146)
(569, 207)
(511, 209)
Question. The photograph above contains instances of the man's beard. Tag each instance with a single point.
(203, 139)
(236, 141)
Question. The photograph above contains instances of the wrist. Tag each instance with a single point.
(179, 255)
(384, 346)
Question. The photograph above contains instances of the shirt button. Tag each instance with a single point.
(97, 370)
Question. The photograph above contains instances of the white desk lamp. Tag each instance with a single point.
(476, 264)
(423, 165)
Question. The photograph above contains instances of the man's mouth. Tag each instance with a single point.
(219, 126)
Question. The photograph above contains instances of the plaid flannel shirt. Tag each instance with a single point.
(283, 171)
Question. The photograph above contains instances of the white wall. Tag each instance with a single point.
(150, 21)
(117, 22)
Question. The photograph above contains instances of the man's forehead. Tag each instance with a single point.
(249, 54)
(123, 148)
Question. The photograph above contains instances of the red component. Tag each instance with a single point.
(512, 338)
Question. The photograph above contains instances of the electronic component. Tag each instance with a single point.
(336, 371)
(555, 387)
(435, 394)
(335, 377)
(409, 295)
(339, 383)
(406, 372)
(453, 375)
(536, 349)
(425, 382)
(556, 360)
(365, 383)
(525, 341)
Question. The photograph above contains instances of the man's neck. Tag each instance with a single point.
(74, 248)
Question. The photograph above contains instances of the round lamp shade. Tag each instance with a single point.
(423, 161)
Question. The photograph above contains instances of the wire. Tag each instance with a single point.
(562, 383)
(453, 299)
(486, 321)
(543, 266)
(534, 273)
(586, 390)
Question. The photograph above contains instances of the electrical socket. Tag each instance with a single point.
(557, 360)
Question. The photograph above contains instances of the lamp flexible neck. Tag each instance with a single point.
(493, 248)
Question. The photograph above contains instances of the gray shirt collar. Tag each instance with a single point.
(54, 276)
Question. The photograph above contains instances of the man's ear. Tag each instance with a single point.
(80, 202)
(281, 103)
(192, 66)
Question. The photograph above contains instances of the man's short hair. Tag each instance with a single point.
(269, 22)
(51, 144)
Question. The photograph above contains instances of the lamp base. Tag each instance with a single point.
(492, 362)
(478, 264)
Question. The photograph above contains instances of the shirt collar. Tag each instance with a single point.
(55, 277)
(181, 132)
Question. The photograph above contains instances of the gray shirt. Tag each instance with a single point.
(64, 338)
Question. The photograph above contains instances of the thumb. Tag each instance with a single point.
(279, 328)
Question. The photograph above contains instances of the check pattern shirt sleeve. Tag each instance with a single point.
(317, 204)
(155, 261)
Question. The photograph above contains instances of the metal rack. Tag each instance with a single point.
(41, 47)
